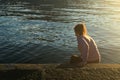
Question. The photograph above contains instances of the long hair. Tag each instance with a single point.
(80, 29)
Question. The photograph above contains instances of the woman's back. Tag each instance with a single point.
(93, 50)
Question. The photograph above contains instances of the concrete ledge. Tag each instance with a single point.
(59, 72)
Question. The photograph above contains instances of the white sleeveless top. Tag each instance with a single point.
(88, 49)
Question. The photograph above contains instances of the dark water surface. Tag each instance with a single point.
(41, 31)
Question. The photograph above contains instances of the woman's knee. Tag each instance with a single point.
(75, 59)
(74, 56)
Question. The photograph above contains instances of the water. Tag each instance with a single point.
(41, 31)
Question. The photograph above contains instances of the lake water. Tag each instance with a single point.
(41, 31)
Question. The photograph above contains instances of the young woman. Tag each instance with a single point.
(87, 47)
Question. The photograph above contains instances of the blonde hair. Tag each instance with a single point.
(80, 29)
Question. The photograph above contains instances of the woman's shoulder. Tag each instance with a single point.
(80, 37)
(86, 37)
(83, 38)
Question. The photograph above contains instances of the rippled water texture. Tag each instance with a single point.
(41, 31)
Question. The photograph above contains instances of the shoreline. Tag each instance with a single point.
(59, 72)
